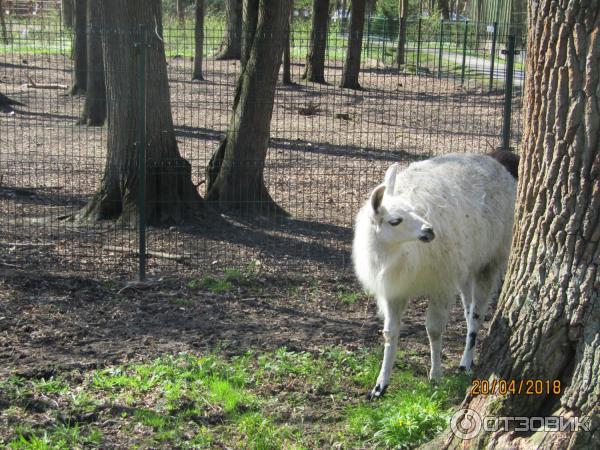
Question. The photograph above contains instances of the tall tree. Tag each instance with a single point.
(199, 41)
(180, 11)
(315, 60)
(235, 173)
(94, 110)
(67, 13)
(232, 39)
(287, 57)
(170, 195)
(400, 50)
(355, 35)
(79, 83)
(547, 324)
(444, 9)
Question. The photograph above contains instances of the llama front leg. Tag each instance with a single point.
(437, 316)
(391, 330)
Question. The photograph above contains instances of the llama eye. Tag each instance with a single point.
(395, 222)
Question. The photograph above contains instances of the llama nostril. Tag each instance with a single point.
(427, 235)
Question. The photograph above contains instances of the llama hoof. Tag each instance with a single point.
(435, 376)
(377, 392)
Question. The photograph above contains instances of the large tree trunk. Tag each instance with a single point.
(235, 173)
(315, 61)
(79, 84)
(67, 13)
(547, 324)
(400, 50)
(232, 40)
(355, 35)
(94, 110)
(199, 41)
(170, 195)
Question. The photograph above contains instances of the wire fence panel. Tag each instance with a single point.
(328, 146)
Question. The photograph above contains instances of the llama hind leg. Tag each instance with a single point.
(476, 300)
(391, 330)
(437, 317)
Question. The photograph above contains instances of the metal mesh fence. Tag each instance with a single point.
(328, 146)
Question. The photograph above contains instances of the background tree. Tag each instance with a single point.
(199, 41)
(94, 110)
(170, 194)
(402, 15)
(231, 44)
(287, 59)
(67, 13)
(355, 35)
(235, 173)
(79, 83)
(547, 324)
(444, 9)
(315, 60)
(180, 10)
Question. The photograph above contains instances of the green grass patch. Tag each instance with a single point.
(259, 400)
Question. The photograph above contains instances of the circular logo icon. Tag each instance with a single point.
(465, 423)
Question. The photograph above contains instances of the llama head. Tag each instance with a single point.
(393, 219)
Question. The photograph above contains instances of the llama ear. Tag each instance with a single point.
(377, 197)
(390, 178)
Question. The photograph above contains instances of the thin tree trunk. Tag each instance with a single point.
(94, 111)
(3, 24)
(232, 40)
(400, 51)
(180, 11)
(547, 324)
(355, 35)
(235, 173)
(199, 41)
(444, 9)
(170, 195)
(287, 63)
(67, 13)
(315, 60)
(79, 84)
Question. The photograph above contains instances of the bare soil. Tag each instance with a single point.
(64, 300)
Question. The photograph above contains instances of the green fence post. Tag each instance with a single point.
(441, 48)
(464, 55)
(493, 55)
(418, 45)
(142, 46)
(508, 91)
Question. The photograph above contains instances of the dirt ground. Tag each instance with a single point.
(65, 301)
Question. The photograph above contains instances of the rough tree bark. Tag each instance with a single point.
(231, 44)
(315, 60)
(547, 324)
(235, 172)
(94, 110)
(79, 83)
(199, 41)
(355, 35)
(67, 13)
(170, 195)
(400, 50)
